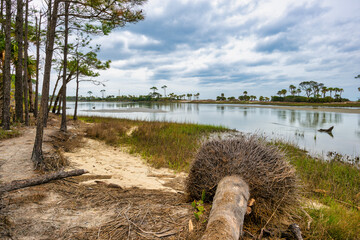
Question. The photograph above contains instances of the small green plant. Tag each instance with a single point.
(199, 206)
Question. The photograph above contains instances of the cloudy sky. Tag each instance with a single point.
(229, 46)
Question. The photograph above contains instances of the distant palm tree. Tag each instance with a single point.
(283, 92)
(292, 90)
(341, 91)
(90, 93)
(298, 91)
(324, 90)
(154, 89)
(164, 87)
(245, 93)
(279, 93)
(330, 89)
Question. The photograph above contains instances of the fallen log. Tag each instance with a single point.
(329, 130)
(228, 210)
(17, 184)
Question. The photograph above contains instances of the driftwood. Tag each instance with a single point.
(329, 130)
(17, 184)
(229, 208)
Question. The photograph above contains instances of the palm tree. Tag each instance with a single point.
(154, 89)
(341, 91)
(330, 89)
(164, 87)
(245, 93)
(292, 90)
(283, 92)
(197, 96)
(324, 90)
(261, 98)
(298, 91)
(279, 93)
(90, 93)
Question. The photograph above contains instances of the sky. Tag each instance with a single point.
(232, 46)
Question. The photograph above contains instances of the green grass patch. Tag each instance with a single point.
(6, 134)
(162, 144)
(336, 185)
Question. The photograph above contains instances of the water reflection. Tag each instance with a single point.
(297, 126)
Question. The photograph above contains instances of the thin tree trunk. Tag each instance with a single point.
(25, 77)
(19, 64)
(77, 84)
(57, 99)
(37, 155)
(60, 102)
(31, 94)
(228, 210)
(38, 31)
(63, 126)
(6, 72)
(54, 91)
(18, 184)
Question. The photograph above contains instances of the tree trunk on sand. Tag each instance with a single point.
(228, 210)
(38, 30)
(63, 126)
(6, 72)
(17, 184)
(19, 71)
(37, 155)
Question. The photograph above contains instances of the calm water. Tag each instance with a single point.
(297, 126)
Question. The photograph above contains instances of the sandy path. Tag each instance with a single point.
(125, 169)
(15, 154)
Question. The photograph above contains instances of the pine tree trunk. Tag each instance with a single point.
(18, 184)
(77, 85)
(228, 210)
(19, 70)
(38, 30)
(37, 155)
(25, 77)
(63, 116)
(6, 72)
(54, 91)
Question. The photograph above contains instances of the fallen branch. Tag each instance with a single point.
(17, 184)
(328, 130)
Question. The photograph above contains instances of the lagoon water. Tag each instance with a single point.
(297, 126)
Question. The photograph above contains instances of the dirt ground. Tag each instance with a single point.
(120, 198)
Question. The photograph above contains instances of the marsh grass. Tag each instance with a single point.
(162, 144)
(336, 185)
(6, 134)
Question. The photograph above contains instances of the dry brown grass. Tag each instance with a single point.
(135, 213)
(270, 177)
